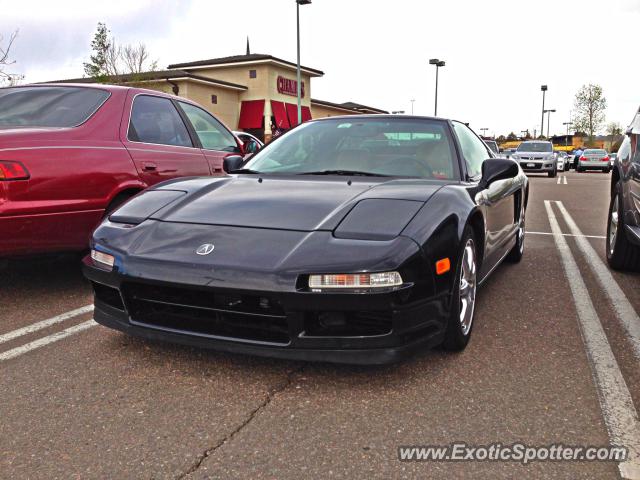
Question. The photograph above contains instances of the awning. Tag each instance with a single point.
(306, 114)
(280, 114)
(251, 114)
(292, 111)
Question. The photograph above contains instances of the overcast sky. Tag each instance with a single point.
(498, 53)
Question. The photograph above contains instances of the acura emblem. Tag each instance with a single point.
(205, 249)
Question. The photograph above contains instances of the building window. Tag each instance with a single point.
(214, 99)
(253, 74)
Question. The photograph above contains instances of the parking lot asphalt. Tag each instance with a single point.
(78, 400)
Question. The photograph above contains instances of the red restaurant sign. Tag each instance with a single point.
(289, 87)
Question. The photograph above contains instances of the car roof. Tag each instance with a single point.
(107, 87)
(378, 116)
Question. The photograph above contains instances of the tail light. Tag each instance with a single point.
(605, 159)
(13, 171)
(583, 158)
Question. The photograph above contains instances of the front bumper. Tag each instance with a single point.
(365, 328)
(536, 165)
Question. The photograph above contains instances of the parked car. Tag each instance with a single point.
(251, 143)
(71, 153)
(612, 158)
(320, 247)
(564, 162)
(623, 227)
(536, 156)
(594, 159)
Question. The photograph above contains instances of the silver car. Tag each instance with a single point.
(594, 159)
(536, 156)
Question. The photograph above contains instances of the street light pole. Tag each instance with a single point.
(544, 91)
(412, 101)
(484, 131)
(438, 64)
(566, 138)
(299, 86)
(548, 112)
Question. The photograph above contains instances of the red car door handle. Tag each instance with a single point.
(149, 166)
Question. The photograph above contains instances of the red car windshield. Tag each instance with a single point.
(48, 106)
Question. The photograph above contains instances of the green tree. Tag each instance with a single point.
(101, 45)
(501, 139)
(511, 137)
(589, 107)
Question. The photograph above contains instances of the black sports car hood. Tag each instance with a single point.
(294, 203)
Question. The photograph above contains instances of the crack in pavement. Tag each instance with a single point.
(271, 393)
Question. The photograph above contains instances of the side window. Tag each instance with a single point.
(474, 150)
(156, 120)
(212, 135)
(624, 150)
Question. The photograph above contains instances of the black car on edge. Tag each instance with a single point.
(349, 239)
(623, 227)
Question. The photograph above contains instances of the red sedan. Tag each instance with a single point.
(69, 153)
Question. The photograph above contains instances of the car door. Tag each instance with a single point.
(496, 201)
(159, 141)
(216, 141)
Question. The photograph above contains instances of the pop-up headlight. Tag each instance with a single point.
(142, 206)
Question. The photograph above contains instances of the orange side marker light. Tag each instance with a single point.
(443, 266)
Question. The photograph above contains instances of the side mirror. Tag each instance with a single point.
(497, 169)
(629, 131)
(251, 147)
(232, 162)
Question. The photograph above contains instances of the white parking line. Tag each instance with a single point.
(41, 342)
(621, 305)
(559, 179)
(564, 179)
(566, 234)
(617, 407)
(34, 327)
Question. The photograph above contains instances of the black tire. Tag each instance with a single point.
(621, 253)
(578, 169)
(516, 253)
(553, 174)
(455, 338)
(606, 170)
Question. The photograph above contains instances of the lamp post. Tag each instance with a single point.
(566, 138)
(524, 133)
(544, 91)
(484, 131)
(548, 112)
(438, 64)
(412, 102)
(299, 89)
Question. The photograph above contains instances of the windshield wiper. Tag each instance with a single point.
(345, 173)
(245, 170)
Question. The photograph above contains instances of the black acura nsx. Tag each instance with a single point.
(353, 239)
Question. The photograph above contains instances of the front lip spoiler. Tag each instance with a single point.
(369, 356)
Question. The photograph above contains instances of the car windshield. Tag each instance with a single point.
(593, 151)
(368, 146)
(535, 147)
(48, 106)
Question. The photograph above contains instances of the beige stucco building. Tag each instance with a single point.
(254, 92)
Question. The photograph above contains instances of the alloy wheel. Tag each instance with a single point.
(467, 286)
(613, 224)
